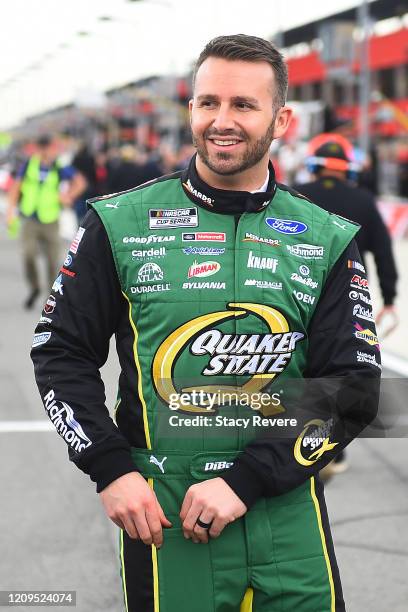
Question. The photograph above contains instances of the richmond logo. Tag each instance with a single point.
(261, 357)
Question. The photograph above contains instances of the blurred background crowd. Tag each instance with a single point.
(348, 80)
(348, 74)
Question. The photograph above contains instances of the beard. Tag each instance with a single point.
(228, 164)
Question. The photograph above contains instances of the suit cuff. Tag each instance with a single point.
(107, 465)
(244, 481)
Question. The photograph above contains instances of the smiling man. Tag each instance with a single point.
(217, 283)
(232, 130)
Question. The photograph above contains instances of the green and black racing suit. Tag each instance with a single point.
(218, 300)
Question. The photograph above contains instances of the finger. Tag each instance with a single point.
(201, 532)
(118, 523)
(216, 528)
(191, 519)
(152, 518)
(130, 527)
(142, 527)
(186, 504)
(162, 517)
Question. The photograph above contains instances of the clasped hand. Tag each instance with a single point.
(132, 505)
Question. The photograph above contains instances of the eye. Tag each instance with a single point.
(207, 103)
(244, 105)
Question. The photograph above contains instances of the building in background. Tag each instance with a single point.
(324, 59)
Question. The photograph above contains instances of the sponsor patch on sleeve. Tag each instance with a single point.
(363, 357)
(68, 272)
(355, 265)
(50, 305)
(58, 286)
(40, 339)
(75, 243)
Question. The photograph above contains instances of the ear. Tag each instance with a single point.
(190, 108)
(282, 121)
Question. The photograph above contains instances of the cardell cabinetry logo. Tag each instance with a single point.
(286, 226)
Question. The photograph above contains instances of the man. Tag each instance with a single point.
(332, 191)
(216, 281)
(41, 187)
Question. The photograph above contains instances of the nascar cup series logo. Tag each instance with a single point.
(257, 357)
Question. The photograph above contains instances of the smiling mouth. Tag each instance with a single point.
(225, 143)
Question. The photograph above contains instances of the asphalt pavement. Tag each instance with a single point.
(54, 534)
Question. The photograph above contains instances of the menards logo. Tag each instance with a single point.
(206, 268)
(198, 194)
(259, 358)
(254, 238)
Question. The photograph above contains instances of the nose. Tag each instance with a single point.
(224, 119)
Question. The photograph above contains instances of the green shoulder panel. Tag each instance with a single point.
(331, 231)
(125, 214)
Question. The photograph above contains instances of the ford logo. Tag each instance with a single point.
(286, 226)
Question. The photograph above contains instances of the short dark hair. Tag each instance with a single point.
(249, 49)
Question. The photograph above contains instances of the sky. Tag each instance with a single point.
(45, 62)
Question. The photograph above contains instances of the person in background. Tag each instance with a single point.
(84, 162)
(133, 169)
(103, 170)
(41, 187)
(331, 189)
(331, 163)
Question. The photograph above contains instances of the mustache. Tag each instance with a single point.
(231, 133)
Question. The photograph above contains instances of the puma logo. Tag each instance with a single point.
(158, 463)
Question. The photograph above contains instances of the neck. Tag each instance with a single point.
(248, 180)
(227, 201)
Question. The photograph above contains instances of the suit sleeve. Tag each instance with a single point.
(341, 391)
(71, 343)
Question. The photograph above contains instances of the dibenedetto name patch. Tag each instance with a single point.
(167, 218)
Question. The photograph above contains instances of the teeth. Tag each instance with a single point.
(224, 143)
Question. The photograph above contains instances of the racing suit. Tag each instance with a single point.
(216, 298)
